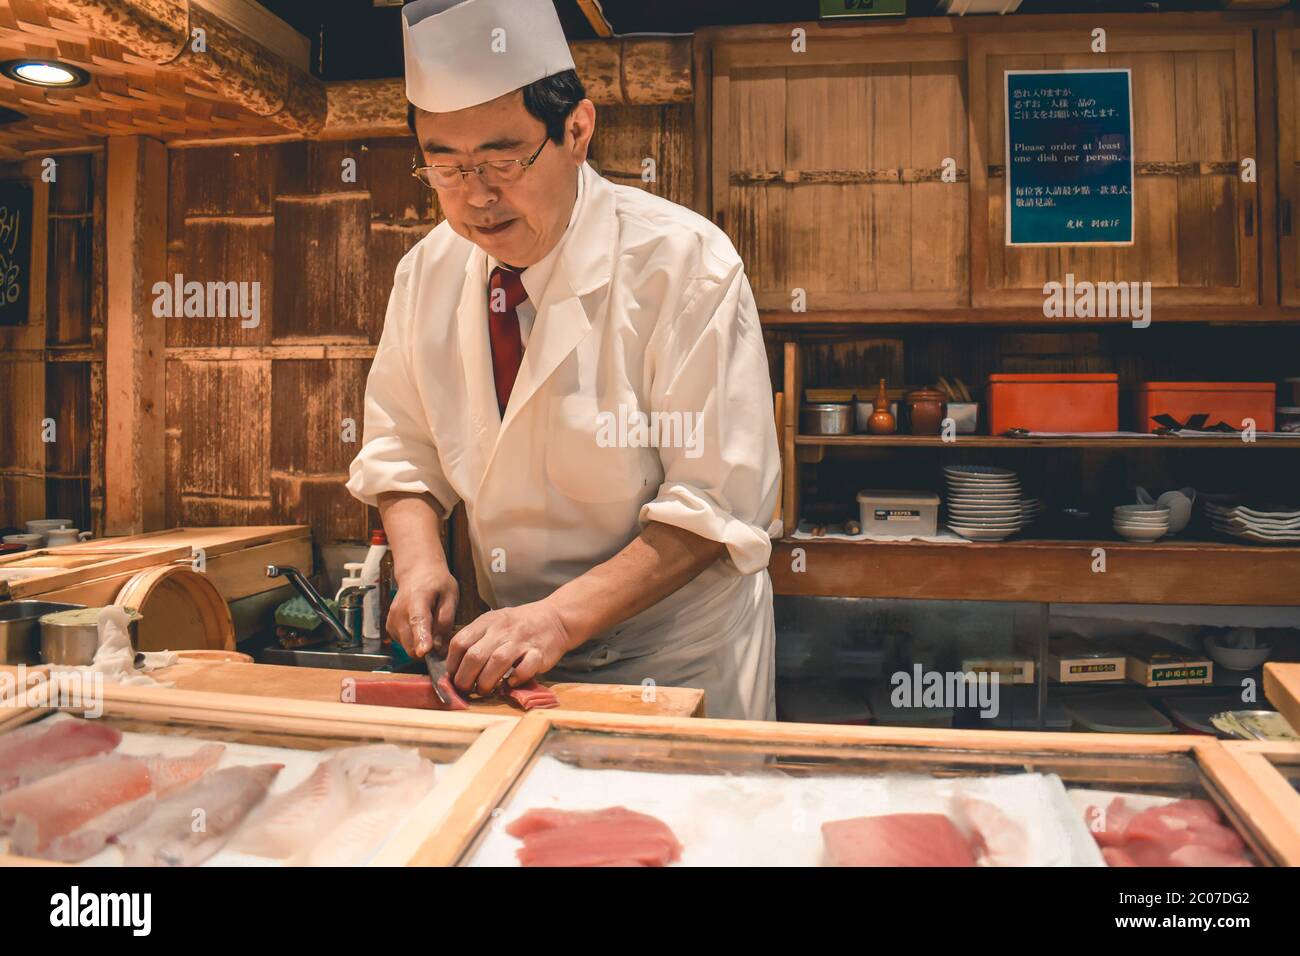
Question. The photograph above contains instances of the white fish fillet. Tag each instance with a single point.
(342, 811)
(293, 820)
(87, 840)
(377, 810)
(169, 836)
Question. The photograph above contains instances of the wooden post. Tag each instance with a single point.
(136, 197)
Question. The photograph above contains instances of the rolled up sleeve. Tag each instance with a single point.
(398, 451)
(709, 363)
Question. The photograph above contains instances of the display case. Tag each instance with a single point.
(1274, 768)
(288, 782)
(755, 793)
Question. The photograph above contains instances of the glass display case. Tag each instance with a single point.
(585, 789)
(159, 776)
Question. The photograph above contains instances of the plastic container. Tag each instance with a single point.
(1053, 402)
(351, 577)
(898, 514)
(1229, 402)
(371, 626)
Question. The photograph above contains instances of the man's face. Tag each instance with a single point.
(519, 222)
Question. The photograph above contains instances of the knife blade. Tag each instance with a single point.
(437, 667)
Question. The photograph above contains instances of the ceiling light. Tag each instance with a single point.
(44, 73)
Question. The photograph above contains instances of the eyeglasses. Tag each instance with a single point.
(497, 172)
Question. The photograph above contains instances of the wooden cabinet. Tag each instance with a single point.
(1287, 44)
(1196, 234)
(827, 168)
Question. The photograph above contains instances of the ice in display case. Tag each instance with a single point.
(712, 792)
(168, 777)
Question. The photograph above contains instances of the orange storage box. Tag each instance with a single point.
(1054, 402)
(1229, 402)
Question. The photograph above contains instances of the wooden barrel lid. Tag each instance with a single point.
(182, 610)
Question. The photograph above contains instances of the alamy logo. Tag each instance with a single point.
(632, 428)
(209, 300)
(75, 908)
(946, 689)
(1098, 300)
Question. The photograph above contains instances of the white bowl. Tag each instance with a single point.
(1237, 658)
(1141, 510)
(1143, 522)
(981, 534)
(1142, 534)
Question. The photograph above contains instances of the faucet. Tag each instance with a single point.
(351, 602)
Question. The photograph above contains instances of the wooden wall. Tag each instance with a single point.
(255, 416)
(54, 366)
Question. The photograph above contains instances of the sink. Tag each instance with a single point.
(370, 656)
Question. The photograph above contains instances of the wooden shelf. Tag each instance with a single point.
(1166, 572)
(999, 441)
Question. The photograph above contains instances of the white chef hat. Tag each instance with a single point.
(460, 53)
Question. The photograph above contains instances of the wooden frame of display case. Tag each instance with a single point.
(235, 712)
(502, 772)
(1258, 758)
(1282, 688)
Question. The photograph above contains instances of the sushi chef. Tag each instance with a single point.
(581, 364)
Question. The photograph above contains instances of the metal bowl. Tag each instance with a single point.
(74, 645)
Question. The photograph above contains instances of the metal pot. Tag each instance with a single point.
(20, 629)
(829, 418)
(74, 645)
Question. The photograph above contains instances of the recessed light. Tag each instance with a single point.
(44, 73)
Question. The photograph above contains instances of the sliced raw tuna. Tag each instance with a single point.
(1180, 833)
(614, 836)
(896, 839)
(404, 692)
(1108, 826)
(531, 695)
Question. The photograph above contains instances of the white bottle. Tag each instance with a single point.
(351, 577)
(370, 623)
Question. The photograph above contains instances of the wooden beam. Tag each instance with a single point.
(596, 17)
(636, 71)
(136, 194)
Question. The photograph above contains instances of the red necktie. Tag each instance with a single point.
(505, 292)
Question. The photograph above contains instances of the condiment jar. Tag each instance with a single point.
(926, 409)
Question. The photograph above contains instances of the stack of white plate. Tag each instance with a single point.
(1141, 522)
(1270, 524)
(983, 502)
(1032, 509)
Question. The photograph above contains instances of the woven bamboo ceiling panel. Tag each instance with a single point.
(235, 89)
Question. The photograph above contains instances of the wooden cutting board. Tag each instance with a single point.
(316, 683)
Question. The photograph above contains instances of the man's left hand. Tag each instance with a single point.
(531, 637)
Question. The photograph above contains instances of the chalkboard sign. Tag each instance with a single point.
(1069, 157)
(15, 250)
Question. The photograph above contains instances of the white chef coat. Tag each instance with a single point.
(646, 309)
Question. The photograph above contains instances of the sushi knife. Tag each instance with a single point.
(437, 667)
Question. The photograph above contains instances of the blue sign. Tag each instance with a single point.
(1069, 158)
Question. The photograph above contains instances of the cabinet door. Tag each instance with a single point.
(828, 169)
(1288, 161)
(1195, 221)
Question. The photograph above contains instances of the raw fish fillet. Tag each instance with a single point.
(35, 751)
(531, 695)
(226, 797)
(378, 808)
(406, 692)
(896, 839)
(1181, 833)
(1108, 826)
(288, 823)
(66, 815)
(614, 836)
(996, 839)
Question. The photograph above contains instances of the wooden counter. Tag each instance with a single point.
(315, 683)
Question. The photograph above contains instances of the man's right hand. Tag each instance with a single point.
(423, 610)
